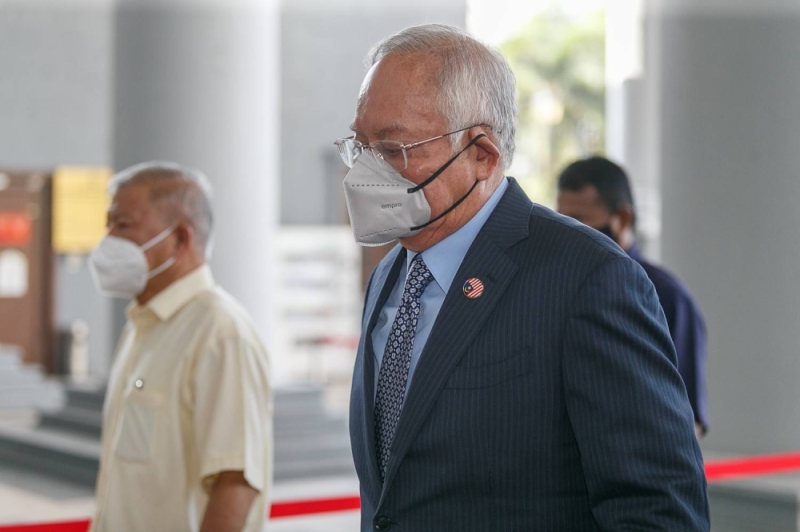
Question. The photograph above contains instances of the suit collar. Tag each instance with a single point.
(460, 318)
(444, 258)
(383, 281)
(508, 224)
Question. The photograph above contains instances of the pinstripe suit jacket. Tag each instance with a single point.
(550, 403)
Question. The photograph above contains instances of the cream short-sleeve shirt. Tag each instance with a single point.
(188, 398)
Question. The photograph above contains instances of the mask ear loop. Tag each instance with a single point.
(435, 175)
(154, 241)
(160, 269)
(453, 206)
(158, 238)
(438, 172)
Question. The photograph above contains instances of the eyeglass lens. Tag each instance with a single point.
(387, 152)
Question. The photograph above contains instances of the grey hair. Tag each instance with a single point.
(187, 188)
(476, 84)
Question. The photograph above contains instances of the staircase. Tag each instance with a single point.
(24, 390)
(309, 442)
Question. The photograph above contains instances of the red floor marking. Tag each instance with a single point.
(278, 510)
(71, 526)
(318, 506)
(716, 471)
(749, 466)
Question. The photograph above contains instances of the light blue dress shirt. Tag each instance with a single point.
(443, 261)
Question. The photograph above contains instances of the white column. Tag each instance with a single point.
(727, 158)
(632, 113)
(197, 82)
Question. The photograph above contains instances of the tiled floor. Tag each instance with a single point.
(26, 498)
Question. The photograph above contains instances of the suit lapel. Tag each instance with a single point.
(461, 318)
(380, 288)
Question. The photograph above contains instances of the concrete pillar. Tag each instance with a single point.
(725, 79)
(197, 82)
(632, 114)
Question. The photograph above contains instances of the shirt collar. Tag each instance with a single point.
(174, 297)
(444, 258)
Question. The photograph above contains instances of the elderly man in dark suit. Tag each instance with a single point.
(515, 371)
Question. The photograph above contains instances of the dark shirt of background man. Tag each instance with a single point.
(597, 192)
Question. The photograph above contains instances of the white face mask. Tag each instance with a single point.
(120, 268)
(380, 207)
(384, 205)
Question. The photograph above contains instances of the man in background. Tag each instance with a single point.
(187, 421)
(596, 192)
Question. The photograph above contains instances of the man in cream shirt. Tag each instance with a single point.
(187, 428)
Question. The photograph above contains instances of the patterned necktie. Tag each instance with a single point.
(393, 374)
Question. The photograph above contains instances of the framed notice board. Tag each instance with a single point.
(26, 265)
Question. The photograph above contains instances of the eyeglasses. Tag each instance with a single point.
(390, 152)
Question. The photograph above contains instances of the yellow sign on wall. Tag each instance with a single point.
(80, 203)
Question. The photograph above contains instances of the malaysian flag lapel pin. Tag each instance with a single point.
(473, 288)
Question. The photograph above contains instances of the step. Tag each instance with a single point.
(51, 440)
(88, 399)
(75, 420)
(305, 444)
(301, 419)
(308, 440)
(89, 422)
(19, 417)
(323, 467)
(77, 459)
(47, 395)
(289, 397)
(286, 399)
(57, 454)
(296, 411)
(325, 464)
(10, 357)
(342, 456)
(285, 412)
(23, 375)
(304, 427)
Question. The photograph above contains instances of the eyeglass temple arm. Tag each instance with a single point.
(407, 146)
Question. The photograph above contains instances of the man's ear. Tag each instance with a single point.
(184, 241)
(626, 218)
(486, 153)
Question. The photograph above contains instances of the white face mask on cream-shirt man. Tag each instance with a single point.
(119, 266)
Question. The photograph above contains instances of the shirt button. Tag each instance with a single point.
(139, 384)
(382, 523)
